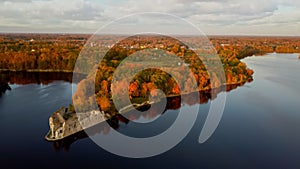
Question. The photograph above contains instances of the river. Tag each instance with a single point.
(259, 128)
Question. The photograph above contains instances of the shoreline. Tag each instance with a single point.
(130, 107)
(102, 114)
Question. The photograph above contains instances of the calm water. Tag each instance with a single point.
(259, 128)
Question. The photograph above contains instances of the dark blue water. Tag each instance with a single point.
(259, 128)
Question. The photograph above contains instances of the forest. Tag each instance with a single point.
(146, 81)
(59, 52)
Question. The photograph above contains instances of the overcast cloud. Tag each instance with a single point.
(261, 17)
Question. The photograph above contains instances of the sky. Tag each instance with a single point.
(213, 17)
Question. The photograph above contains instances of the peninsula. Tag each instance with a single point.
(57, 53)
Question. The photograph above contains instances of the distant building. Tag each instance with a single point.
(224, 44)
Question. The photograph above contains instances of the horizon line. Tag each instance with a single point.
(210, 35)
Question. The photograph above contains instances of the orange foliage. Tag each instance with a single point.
(176, 89)
(104, 103)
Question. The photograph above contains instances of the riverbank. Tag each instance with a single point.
(65, 124)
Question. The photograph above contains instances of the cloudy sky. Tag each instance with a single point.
(242, 17)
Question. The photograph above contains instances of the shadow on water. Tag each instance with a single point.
(24, 78)
(173, 103)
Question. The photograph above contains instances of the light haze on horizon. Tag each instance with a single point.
(213, 17)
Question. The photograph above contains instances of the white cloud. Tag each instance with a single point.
(91, 14)
(47, 13)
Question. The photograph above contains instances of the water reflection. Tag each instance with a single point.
(173, 103)
(45, 78)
